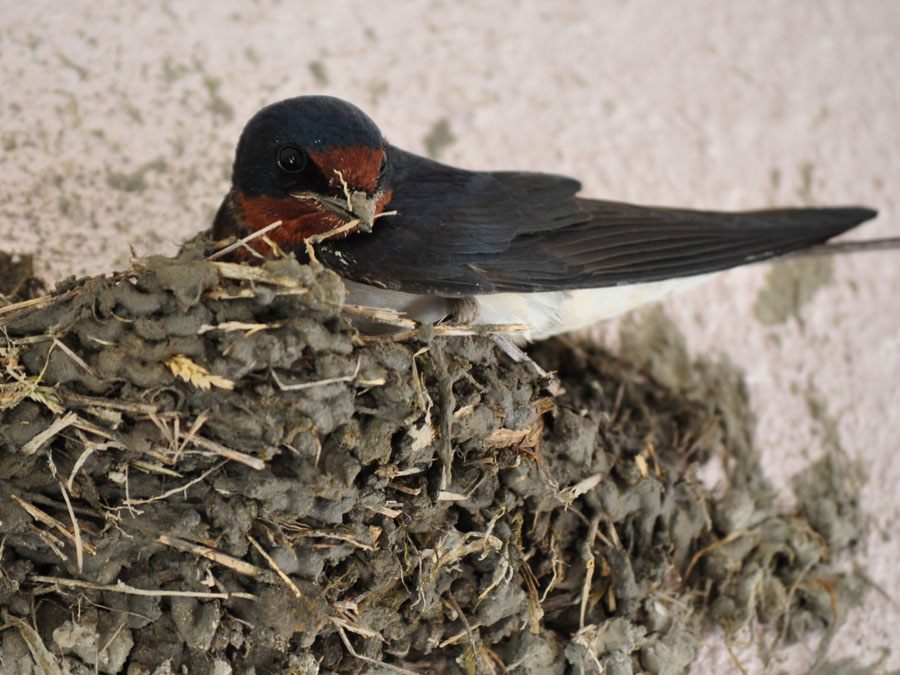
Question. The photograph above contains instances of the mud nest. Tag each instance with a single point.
(205, 466)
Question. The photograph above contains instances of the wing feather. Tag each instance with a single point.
(461, 233)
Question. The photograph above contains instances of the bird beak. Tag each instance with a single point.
(354, 205)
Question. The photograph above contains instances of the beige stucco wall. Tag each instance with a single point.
(118, 121)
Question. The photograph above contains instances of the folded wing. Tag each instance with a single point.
(459, 233)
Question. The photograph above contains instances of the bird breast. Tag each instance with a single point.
(548, 313)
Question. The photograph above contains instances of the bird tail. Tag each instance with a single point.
(799, 229)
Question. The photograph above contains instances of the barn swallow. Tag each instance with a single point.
(500, 247)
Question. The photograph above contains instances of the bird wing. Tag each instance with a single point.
(459, 233)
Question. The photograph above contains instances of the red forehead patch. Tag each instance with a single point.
(358, 165)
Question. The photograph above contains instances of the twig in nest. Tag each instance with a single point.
(587, 638)
(325, 534)
(150, 467)
(239, 272)
(244, 293)
(36, 303)
(328, 380)
(535, 608)
(113, 637)
(84, 425)
(570, 494)
(379, 315)
(529, 437)
(317, 383)
(49, 521)
(352, 627)
(460, 330)
(468, 628)
(367, 659)
(191, 433)
(589, 564)
(787, 615)
(228, 453)
(276, 249)
(76, 530)
(515, 352)
(712, 547)
(557, 564)
(503, 572)
(310, 242)
(243, 242)
(39, 652)
(734, 657)
(52, 542)
(81, 400)
(118, 610)
(425, 401)
(161, 423)
(174, 491)
(472, 542)
(82, 458)
(236, 564)
(228, 326)
(274, 566)
(386, 510)
(55, 427)
(120, 587)
(77, 359)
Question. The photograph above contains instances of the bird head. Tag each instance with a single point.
(316, 163)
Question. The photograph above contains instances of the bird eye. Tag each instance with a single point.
(291, 159)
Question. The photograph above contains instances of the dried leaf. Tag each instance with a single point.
(181, 366)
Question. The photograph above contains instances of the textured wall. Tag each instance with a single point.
(117, 128)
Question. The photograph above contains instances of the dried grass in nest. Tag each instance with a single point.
(203, 463)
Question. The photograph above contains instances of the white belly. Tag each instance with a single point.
(548, 313)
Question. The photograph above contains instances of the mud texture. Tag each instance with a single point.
(791, 284)
(205, 469)
(17, 280)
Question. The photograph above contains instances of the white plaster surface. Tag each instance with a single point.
(118, 123)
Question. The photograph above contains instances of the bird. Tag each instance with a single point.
(438, 243)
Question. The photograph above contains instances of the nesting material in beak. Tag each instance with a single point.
(356, 205)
